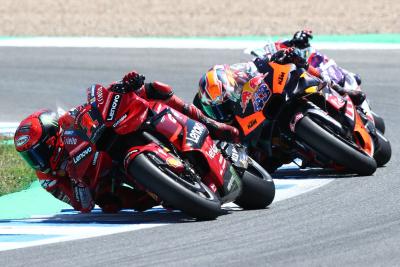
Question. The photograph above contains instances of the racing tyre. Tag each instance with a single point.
(196, 200)
(325, 143)
(258, 188)
(383, 153)
(379, 122)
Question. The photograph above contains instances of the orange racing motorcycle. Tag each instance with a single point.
(287, 114)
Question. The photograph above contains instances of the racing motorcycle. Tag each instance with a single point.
(170, 156)
(376, 125)
(348, 82)
(287, 114)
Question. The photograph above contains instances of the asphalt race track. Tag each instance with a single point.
(351, 221)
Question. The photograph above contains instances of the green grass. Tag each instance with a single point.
(15, 174)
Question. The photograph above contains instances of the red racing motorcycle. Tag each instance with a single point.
(166, 154)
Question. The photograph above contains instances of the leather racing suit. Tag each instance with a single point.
(60, 180)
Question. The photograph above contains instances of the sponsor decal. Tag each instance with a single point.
(173, 162)
(336, 101)
(235, 155)
(113, 107)
(70, 141)
(82, 154)
(250, 88)
(92, 94)
(251, 123)
(235, 180)
(22, 140)
(212, 151)
(96, 156)
(296, 118)
(120, 120)
(99, 96)
(195, 133)
(280, 78)
(46, 184)
(261, 97)
(69, 132)
(247, 92)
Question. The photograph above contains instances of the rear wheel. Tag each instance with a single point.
(192, 197)
(258, 188)
(327, 144)
(383, 153)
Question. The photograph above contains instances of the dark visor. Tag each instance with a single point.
(37, 157)
(221, 112)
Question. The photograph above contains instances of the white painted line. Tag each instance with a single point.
(8, 128)
(18, 232)
(105, 42)
(73, 233)
(302, 186)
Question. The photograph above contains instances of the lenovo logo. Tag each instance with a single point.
(196, 132)
(114, 107)
(83, 154)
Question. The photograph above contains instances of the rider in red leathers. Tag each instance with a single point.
(43, 140)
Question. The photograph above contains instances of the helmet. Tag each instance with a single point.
(32, 139)
(217, 92)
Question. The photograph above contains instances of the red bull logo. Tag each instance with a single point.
(249, 89)
(255, 82)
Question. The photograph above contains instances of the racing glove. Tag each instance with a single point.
(217, 129)
(261, 64)
(301, 39)
(290, 55)
(133, 80)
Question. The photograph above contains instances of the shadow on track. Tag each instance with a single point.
(312, 173)
(69, 216)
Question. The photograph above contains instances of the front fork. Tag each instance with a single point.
(237, 160)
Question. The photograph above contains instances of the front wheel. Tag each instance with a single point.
(379, 122)
(258, 188)
(194, 198)
(325, 143)
(383, 153)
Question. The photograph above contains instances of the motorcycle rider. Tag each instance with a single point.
(222, 84)
(327, 69)
(40, 140)
(221, 87)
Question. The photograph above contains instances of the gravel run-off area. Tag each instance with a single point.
(195, 17)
